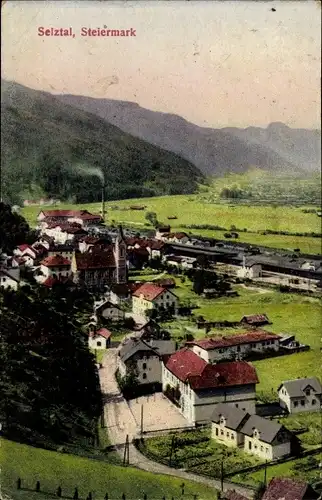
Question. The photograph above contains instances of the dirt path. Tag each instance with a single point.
(257, 289)
(120, 422)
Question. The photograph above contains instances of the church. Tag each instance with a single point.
(101, 265)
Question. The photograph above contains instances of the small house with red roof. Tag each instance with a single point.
(150, 296)
(235, 346)
(55, 266)
(286, 488)
(199, 386)
(99, 339)
(255, 320)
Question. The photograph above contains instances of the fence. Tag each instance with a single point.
(75, 495)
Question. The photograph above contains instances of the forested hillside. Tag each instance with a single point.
(53, 149)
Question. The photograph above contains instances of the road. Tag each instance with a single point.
(120, 422)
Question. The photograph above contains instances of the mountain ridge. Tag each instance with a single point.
(213, 151)
(44, 139)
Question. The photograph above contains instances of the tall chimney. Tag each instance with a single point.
(103, 203)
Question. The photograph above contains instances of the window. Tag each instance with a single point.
(238, 348)
(216, 431)
(227, 434)
(232, 436)
(262, 448)
(266, 450)
(98, 343)
(302, 402)
(249, 445)
(313, 401)
(144, 366)
(295, 404)
(221, 432)
(236, 405)
(308, 392)
(144, 376)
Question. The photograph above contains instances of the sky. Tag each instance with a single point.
(215, 63)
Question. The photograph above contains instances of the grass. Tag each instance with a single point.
(312, 421)
(190, 210)
(288, 313)
(99, 354)
(199, 453)
(53, 469)
(304, 469)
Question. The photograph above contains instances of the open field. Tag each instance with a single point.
(190, 210)
(53, 469)
(288, 313)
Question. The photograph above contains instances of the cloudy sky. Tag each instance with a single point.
(216, 63)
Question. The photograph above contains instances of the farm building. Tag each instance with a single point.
(234, 346)
(196, 386)
(303, 394)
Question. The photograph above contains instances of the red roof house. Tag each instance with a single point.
(149, 291)
(55, 261)
(208, 384)
(235, 346)
(255, 319)
(284, 488)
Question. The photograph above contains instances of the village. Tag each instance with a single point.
(163, 367)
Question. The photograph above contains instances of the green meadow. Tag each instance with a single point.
(192, 209)
(289, 314)
(53, 469)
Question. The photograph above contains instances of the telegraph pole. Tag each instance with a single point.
(265, 474)
(141, 419)
(172, 449)
(222, 476)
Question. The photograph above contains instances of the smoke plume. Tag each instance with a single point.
(87, 171)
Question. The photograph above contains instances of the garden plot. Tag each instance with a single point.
(158, 413)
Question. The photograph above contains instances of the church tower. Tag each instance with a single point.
(120, 257)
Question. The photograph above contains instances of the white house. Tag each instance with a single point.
(161, 232)
(303, 394)
(256, 435)
(234, 346)
(10, 277)
(181, 238)
(100, 339)
(144, 357)
(249, 269)
(149, 296)
(55, 266)
(197, 386)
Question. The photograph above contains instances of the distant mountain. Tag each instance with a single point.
(51, 147)
(213, 151)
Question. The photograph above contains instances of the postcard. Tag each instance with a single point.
(160, 250)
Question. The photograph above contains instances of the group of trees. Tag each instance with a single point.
(14, 229)
(49, 389)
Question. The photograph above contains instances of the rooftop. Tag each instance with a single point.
(55, 261)
(296, 388)
(149, 291)
(188, 367)
(95, 260)
(232, 340)
(284, 488)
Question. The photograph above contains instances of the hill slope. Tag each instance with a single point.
(213, 151)
(50, 147)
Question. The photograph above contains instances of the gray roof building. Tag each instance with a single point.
(267, 428)
(296, 388)
(235, 418)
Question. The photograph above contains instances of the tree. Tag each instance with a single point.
(50, 387)
(152, 218)
(14, 229)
